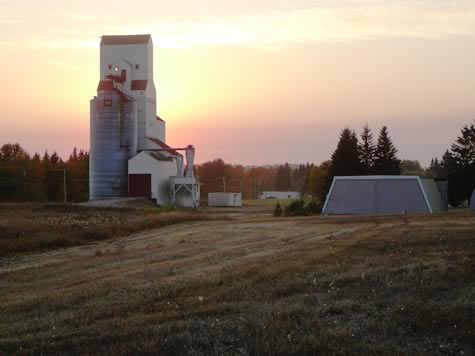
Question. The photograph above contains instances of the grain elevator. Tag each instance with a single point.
(128, 153)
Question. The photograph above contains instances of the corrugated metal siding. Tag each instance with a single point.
(443, 187)
(113, 141)
(376, 196)
(397, 196)
(352, 197)
(433, 195)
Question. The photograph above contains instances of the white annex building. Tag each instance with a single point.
(128, 155)
(373, 195)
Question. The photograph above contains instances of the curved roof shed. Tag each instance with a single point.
(383, 195)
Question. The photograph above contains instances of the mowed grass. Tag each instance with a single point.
(35, 227)
(389, 285)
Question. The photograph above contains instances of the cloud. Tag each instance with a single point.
(323, 21)
(323, 24)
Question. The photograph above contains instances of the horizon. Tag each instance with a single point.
(321, 67)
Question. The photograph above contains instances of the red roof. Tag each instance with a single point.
(164, 145)
(124, 40)
(139, 84)
(105, 85)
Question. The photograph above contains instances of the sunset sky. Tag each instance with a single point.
(252, 82)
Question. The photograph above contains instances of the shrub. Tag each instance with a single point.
(278, 210)
(298, 208)
(314, 207)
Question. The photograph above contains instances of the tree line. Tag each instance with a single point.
(42, 178)
(363, 155)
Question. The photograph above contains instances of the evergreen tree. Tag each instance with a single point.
(386, 162)
(434, 168)
(367, 150)
(13, 165)
(462, 173)
(345, 161)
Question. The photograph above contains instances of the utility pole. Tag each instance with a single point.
(259, 192)
(24, 184)
(224, 184)
(64, 184)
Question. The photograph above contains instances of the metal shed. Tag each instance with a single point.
(225, 199)
(379, 195)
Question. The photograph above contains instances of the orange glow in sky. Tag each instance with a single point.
(251, 83)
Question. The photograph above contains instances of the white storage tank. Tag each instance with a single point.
(225, 199)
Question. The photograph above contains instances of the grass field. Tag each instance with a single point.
(253, 285)
(36, 227)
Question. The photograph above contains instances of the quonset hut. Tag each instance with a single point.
(378, 195)
(128, 153)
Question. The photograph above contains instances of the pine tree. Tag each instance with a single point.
(462, 173)
(386, 162)
(367, 150)
(345, 161)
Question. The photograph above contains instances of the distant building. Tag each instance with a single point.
(128, 154)
(280, 195)
(373, 195)
(225, 199)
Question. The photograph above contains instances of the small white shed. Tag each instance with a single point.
(149, 175)
(373, 195)
(225, 199)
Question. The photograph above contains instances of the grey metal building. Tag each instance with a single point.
(379, 195)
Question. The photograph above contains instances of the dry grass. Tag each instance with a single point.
(33, 227)
(270, 286)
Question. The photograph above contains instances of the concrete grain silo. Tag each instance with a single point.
(113, 142)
